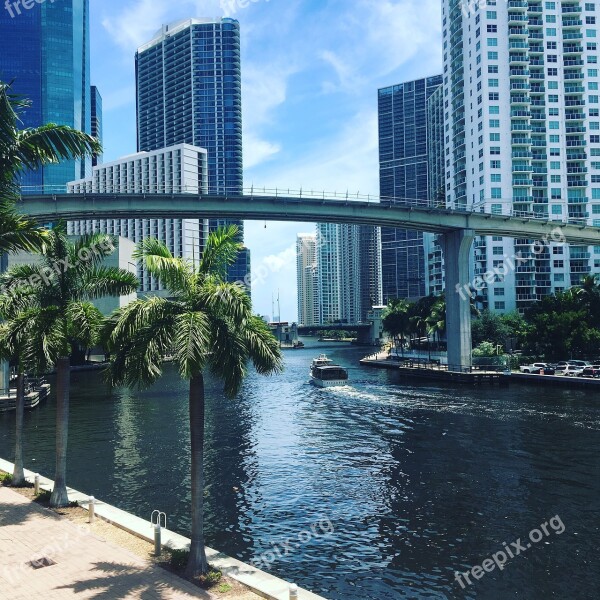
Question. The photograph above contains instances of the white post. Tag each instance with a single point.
(36, 484)
(293, 591)
(157, 540)
(92, 509)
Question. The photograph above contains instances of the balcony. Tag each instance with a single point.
(535, 9)
(576, 129)
(577, 75)
(579, 143)
(520, 100)
(518, 59)
(578, 200)
(537, 156)
(538, 89)
(538, 116)
(568, 23)
(571, 9)
(574, 89)
(577, 183)
(520, 114)
(539, 76)
(517, 32)
(518, 46)
(537, 62)
(517, 4)
(572, 36)
(576, 170)
(521, 141)
(520, 86)
(534, 22)
(520, 126)
(572, 49)
(572, 156)
(517, 19)
(536, 49)
(521, 154)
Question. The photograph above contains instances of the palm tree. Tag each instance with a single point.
(59, 316)
(396, 321)
(13, 344)
(207, 325)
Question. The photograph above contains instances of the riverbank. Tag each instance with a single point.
(247, 582)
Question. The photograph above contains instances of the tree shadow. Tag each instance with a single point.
(115, 580)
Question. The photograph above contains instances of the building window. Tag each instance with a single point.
(550, 31)
(493, 83)
(492, 55)
(497, 193)
(492, 42)
(495, 164)
(494, 96)
(553, 72)
(500, 305)
(496, 178)
(494, 137)
(557, 209)
(554, 178)
(494, 123)
(590, 33)
(492, 28)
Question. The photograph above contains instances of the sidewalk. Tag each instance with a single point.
(86, 566)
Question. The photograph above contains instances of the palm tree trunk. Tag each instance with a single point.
(59, 495)
(18, 472)
(197, 564)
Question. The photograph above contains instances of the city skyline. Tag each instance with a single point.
(304, 113)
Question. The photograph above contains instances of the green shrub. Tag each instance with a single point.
(43, 497)
(6, 478)
(224, 588)
(179, 559)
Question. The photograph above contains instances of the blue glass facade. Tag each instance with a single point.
(188, 84)
(403, 164)
(96, 121)
(44, 51)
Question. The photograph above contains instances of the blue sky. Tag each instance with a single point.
(310, 74)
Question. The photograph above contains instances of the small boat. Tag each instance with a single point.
(298, 345)
(324, 373)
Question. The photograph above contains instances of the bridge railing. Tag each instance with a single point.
(85, 188)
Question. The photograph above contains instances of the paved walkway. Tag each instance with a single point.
(86, 566)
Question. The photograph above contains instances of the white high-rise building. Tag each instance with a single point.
(178, 169)
(522, 133)
(308, 297)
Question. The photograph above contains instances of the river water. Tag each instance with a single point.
(378, 490)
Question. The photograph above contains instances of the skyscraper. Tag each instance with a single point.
(188, 80)
(522, 115)
(403, 161)
(348, 272)
(45, 52)
(96, 121)
(306, 272)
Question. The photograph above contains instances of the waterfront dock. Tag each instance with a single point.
(433, 372)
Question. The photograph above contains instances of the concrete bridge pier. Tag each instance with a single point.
(456, 246)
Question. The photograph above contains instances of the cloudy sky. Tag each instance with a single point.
(310, 74)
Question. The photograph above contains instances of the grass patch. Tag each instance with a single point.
(224, 588)
(43, 497)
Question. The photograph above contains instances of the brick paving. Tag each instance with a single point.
(86, 565)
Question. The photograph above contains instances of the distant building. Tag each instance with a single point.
(97, 128)
(45, 52)
(403, 164)
(348, 274)
(306, 270)
(188, 83)
(178, 169)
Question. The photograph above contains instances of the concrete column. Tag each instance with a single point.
(456, 246)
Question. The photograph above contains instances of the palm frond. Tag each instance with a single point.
(226, 300)
(221, 251)
(173, 273)
(141, 336)
(84, 323)
(99, 282)
(191, 342)
(18, 232)
(229, 355)
(89, 250)
(263, 348)
(52, 143)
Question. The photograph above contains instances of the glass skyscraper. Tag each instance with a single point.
(188, 82)
(45, 52)
(97, 124)
(403, 163)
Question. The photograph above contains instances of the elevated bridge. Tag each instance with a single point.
(458, 228)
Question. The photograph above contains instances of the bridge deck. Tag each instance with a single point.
(276, 208)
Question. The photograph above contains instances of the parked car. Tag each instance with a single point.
(573, 371)
(537, 368)
(591, 371)
(562, 366)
